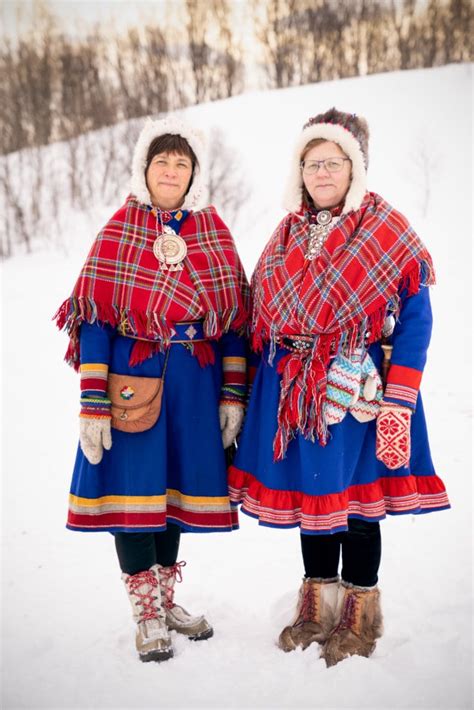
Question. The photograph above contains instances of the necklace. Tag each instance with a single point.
(318, 233)
(169, 248)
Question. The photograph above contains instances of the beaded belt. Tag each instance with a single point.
(297, 343)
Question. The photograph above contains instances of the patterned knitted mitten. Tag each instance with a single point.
(343, 384)
(367, 406)
(393, 444)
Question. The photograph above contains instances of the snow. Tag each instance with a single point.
(68, 638)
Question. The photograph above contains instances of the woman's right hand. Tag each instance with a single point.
(95, 435)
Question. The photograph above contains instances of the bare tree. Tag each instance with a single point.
(226, 187)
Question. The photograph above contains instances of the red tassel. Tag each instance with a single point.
(72, 354)
(257, 342)
(411, 280)
(283, 362)
(204, 353)
(142, 350)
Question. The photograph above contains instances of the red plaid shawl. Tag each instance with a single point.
(369, 256)
(121, 284)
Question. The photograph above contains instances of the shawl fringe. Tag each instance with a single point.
(151, 327)
(118, 285)
(142, 350)
(303, 384)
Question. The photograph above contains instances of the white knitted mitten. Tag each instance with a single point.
(231, 417)
(94, 436)
(371, 392)
(342, 388)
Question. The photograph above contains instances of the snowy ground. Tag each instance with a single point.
(67, 633)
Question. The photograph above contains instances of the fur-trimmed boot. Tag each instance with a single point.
(315, 614)
(196, 628)
(152, 639)
(359, 627)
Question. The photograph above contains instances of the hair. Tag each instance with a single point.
(312, 144)
(170, 143)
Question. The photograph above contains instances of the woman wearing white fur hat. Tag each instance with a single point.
(326, 445)
(155, 323)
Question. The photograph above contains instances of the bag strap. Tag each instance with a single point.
(165, 363)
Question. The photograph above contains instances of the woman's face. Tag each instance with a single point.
(168, 177)
(327, 188)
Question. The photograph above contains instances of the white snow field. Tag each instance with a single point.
(68, 637)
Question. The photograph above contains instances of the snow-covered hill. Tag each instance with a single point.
(67, 634)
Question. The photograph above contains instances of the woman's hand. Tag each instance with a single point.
(94, 436)
(393, 442)
(231, 417)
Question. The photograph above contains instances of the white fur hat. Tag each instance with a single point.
(154, 129)
(351, 133)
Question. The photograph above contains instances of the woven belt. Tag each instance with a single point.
(188, 332)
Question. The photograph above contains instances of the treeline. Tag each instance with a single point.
(55, 87)
(306, 41)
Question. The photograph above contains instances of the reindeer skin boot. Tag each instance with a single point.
(196, 628)
(152, 639)
(359, 627)
(315, 614)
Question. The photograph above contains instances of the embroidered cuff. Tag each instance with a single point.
(234, 387)
(402, 386)
(94, 379)
(95, 408)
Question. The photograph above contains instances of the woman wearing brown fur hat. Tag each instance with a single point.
(335, 435)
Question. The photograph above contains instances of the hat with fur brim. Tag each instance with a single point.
(351, 133)
(175, 126)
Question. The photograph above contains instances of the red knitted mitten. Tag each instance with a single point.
(393, 444)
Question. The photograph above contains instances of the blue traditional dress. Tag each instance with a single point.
(322, 476)
(176, 470)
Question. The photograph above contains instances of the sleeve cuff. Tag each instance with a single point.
(94, 379)
(403, 384)
(234, 386)
(95, 408)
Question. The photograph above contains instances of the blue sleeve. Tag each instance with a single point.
(410, 340)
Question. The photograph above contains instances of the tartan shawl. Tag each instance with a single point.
(121, 284)
(342, 299)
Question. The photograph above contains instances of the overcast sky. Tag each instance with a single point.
(77, 16)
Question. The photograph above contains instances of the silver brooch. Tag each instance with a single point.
(318, 233)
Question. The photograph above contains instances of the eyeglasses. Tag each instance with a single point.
(332, 165)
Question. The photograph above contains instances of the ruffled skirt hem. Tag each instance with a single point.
(327, 514)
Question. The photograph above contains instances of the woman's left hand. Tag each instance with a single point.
(231, 417)
(393, 441)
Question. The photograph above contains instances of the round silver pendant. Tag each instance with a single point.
(170, 248)
(324, 217)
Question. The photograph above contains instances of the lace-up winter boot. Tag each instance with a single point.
(359, 627)
(196, 628)
(315, 614)
(152, 640)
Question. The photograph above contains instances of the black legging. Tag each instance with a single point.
(361, 552)
(140, 551)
